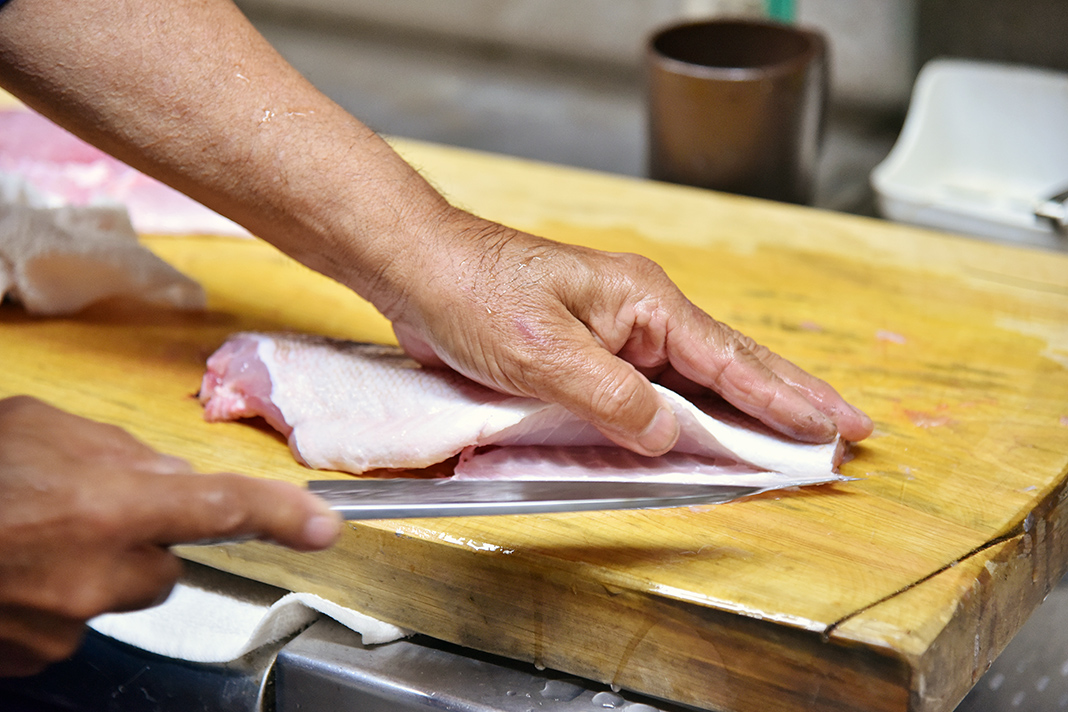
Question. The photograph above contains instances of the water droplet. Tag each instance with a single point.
(561, 690)
(1018, 698)
(995, 681)
(608, 700)
(510, 693)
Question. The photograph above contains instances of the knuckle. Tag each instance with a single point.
(221, 505)
(88, 600)
(96, 592)
(14, 404)
(742, 375)
(640, 266)
(158, 576)
(744, 344)
(99, 518)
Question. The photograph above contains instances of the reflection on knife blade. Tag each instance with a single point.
(405, 498)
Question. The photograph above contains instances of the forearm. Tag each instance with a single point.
(225, 119)
(189, 92)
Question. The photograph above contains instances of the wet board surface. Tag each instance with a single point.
(890, 592)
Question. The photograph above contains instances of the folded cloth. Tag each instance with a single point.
(215, 617)
(59, 260)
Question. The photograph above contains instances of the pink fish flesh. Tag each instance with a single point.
(69, 171)
(358, 407)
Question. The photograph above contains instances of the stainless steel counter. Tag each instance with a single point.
(327, 669)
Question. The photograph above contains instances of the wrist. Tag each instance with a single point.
(430, 265)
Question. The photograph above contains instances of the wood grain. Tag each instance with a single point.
(889, 592)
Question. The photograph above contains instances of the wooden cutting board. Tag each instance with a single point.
(890, 592)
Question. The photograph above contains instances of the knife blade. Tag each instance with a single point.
(401, 498)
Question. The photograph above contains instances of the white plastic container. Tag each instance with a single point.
(983, 146)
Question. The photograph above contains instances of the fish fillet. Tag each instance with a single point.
(358, 407)
(69, 171)
(58, 260)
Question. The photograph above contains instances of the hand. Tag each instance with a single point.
(589, 329)
(226, 120)
(87, 513)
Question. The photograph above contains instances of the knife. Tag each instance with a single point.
(401, 498)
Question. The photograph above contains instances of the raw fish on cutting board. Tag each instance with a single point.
(358, 407)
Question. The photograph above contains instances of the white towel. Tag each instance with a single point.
(59, 260)
(215, 617)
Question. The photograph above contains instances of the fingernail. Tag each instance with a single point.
(825, 424)
(812, 427)
(322, 530)
(661, 433)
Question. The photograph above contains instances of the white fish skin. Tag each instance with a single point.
(357, 407)
(615, 464)
(59, 260)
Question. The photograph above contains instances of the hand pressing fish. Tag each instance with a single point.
(358, 407)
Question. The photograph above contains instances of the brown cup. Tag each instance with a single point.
(737, 106)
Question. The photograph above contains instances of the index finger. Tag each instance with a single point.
(852, 423)
(761, 383)
(194, 508)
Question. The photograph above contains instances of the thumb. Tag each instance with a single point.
(612, 395)
(194, 508)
